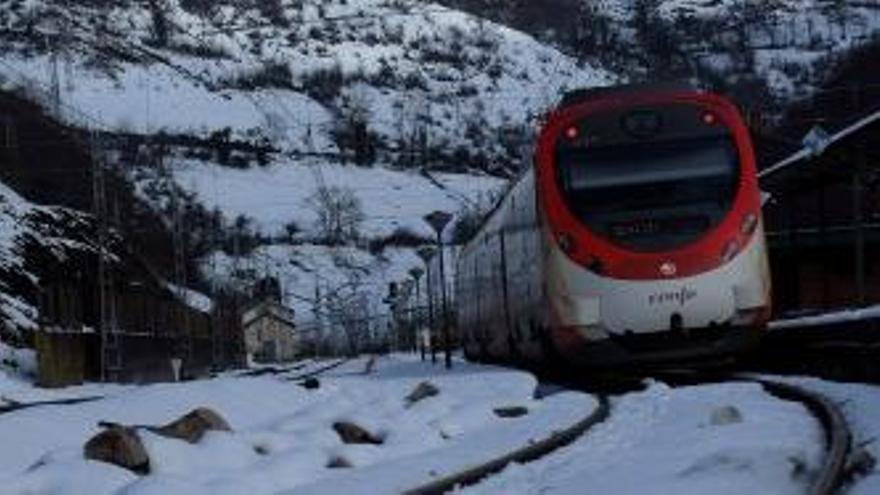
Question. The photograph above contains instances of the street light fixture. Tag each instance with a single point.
(438, 220)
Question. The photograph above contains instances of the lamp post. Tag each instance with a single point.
(416, 273)
(426, 253)
(438, 220)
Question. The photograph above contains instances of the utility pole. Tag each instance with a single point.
(55, 83)
(217, 329)
(60, 41)
(178, 240)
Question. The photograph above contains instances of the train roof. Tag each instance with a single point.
(585, 94)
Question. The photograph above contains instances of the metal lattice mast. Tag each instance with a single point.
(111, 355)
(217, 329)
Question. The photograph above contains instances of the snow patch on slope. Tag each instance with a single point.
(282, 192)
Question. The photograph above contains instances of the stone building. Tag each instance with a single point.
(269, 332)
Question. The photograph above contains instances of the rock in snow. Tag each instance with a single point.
(510, 412)
(422, 391)
(119, 445)
(311, 383)
(192, 426)
(352, 433)
(725, 415)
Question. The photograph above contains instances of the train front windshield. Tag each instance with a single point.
(649, 192)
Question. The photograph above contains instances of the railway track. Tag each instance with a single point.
(8, 405)
(830, 477)
(533, 451)
(838, 437)
(837, 434)
(317, 372)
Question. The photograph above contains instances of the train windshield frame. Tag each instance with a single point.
(650, 193)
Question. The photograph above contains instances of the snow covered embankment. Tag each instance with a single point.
(730, 438)
(283, 438)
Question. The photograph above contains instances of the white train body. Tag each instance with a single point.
(524, 293)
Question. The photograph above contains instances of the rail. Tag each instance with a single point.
(838, 437)
(531, 452)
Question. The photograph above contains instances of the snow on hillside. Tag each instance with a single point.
(262, 77)
(25, 226)
(424, 86)
(789, 44)
(283, 192)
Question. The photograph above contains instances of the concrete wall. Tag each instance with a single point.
(71, 358)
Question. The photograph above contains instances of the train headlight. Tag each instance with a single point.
(730, 250)
(749, 224)
(709, 118)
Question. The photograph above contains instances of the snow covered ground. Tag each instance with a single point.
(659, 440)
(42, 447)
(664, 440)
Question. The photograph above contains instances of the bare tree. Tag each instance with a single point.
(339, 214)
(346, 308)
(348, 313)
(352, 131)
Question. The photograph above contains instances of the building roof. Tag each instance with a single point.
(268, 308)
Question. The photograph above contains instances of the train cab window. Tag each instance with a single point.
(651, 194)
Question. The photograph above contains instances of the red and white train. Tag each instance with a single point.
(636, 238)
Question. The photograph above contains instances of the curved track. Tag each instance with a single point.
(531, 452)
(828, 480)
(838, 438)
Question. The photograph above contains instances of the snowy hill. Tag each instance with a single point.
(301, 68)
(765, 53)
(260, 108)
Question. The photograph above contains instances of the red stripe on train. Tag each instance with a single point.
(701, 255)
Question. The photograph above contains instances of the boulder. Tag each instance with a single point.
(338, 461)
(422, 391)
(311, 383)
(121, 446)
(192, 426)
(510, 412)
(351, 433)
(725, 415)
